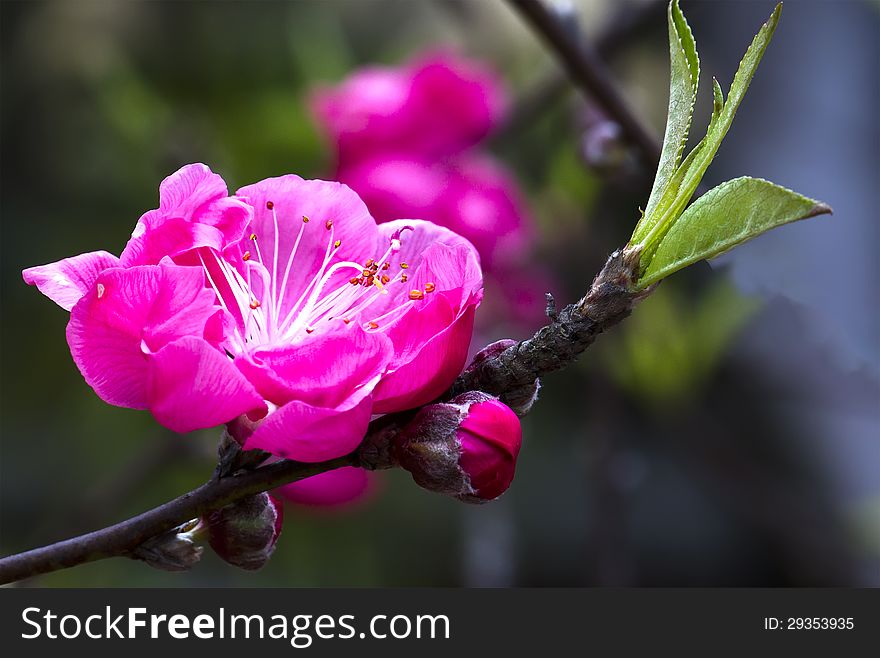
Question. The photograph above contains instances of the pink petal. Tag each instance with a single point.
(194, 211)
(491, 438)
(324, 369)
(67, 280)
(334, 488)
(169, 237)
(425, 373)
(431, 339)
(179, 304)
(450, 268)
(435, 255)
(107, 351)
(307, 433)
(292, 199)
(422, 322)
(193, 385)
(189, 188)
(128, 314)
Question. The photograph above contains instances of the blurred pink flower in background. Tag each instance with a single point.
(406, 141)
(471, 194)
(435, 107)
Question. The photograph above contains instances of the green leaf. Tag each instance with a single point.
(725, 216)
(687, 177)
(684, 79)
(717, 100)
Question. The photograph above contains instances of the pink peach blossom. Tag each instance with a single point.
(309, 321)
(490, 437)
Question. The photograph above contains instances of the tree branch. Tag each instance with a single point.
(120, 539)
(586, 68)
(628, 24)
(509, 375)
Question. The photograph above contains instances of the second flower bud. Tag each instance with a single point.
(466, 448)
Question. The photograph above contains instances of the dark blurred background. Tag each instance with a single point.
(726, 434)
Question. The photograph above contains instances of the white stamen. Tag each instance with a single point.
(259, 309)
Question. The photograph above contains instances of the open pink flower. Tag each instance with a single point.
(149, 336)
(310, 321)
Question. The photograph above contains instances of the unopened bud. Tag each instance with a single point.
(520, 399)
(244, 533)
(602, 145)
(230, 455)
(175, 550)
(466, 448)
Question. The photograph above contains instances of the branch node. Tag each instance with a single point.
(175, 550)
(551, 310)
(232, 458)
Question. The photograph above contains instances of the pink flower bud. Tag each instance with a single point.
(466, 448)
(244, 532)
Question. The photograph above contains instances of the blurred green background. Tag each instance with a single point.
(726, 434)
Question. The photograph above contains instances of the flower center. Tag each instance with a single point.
(340, 291)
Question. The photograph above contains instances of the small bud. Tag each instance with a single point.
(466, 448)
(491, 350)
(175, 550)
(520, 399)
(602, 144)
(230, 455)
(244, 532)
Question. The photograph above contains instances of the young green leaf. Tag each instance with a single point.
(724, 217)
(687, 177)
(684, 79)
(717, 99)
